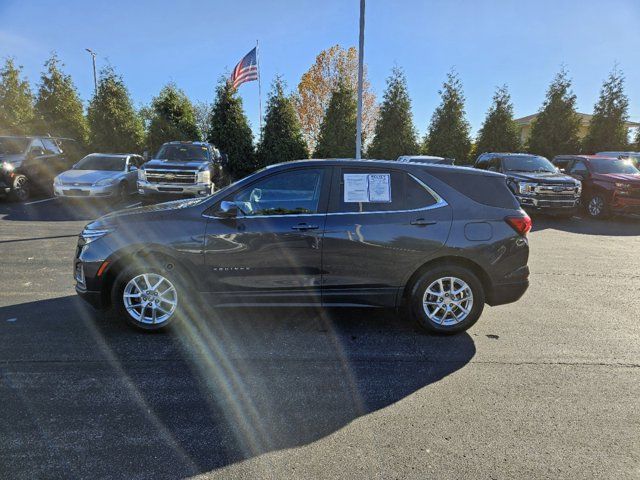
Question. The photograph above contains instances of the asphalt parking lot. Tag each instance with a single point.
(544, 388)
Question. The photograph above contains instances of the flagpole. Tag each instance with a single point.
(360, 78)
(259, 88)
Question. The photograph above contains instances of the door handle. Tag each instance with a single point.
(421, 222)
(304, 226)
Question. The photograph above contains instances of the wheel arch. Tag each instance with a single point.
(155, 257)
(476, 268)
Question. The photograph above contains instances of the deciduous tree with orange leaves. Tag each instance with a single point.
(318, 83)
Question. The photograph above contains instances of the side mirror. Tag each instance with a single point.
(227, 209)
(132, 168)
(36, 152)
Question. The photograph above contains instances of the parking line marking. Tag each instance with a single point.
(133, 205)
(40, 201)
(11, 319)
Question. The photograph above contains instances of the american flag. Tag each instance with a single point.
(246, 70)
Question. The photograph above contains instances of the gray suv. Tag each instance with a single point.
(441, 240)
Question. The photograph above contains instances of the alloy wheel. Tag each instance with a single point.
(150, 298)
(447, 301)
(596, 206)
(21, 188)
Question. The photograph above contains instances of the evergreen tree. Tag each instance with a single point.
(607, 129)
(16, 101)
(555, 130)
(499, 133)
(282, 139)
(113, 123)
(337, 137)
(58, 106)
(172, 117)
(394, 134)
(448, 133)
(637, 145)
(230, 131)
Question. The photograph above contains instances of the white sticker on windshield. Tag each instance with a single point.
(365, 188)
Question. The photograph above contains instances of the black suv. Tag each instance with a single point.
(33, 162)
(536, 183)
(442, 240)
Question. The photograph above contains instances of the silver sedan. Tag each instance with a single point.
(100, 175)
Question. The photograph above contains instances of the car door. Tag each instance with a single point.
(580, 171)
(270, 252)
(375, 238)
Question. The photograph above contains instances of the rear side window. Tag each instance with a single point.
(416, 196)
(488, 190)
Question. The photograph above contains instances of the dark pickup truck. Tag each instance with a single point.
(32, 162)
(537, 184)
(180, 169)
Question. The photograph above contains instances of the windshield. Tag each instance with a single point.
(101, 162)
(614, 166)
(528, 163)
(183, 153)
(13, 146)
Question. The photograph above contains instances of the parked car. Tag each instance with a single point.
(426, 159)
(440, 239)
(31, 162)
(536, 183)
(181, 169)
(609, 185)
(100, 175)
(634, 157)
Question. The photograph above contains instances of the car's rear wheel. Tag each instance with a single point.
(597, 207)
(149, 298)
(447, 299)
(20, 189)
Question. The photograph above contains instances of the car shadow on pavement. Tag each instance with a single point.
(614, 226)
(84, 395)
(58, 209)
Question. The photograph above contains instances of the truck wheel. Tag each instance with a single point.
(150, 298)
(447, 299)
(20, 189)
(597, 207)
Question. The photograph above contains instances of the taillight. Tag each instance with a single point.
(522, 225)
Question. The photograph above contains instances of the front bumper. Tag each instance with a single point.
(541, 203)
(84, 191)
(624, 204)
(165, 189)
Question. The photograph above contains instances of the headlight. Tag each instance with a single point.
(623, 186)
(142, 175)
(91, 235)
(526, 187)
(204, 176)
(8, 167)
(104, 182)
(578, 188)
(57, 181)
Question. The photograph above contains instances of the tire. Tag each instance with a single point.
(132, 279)
(20, 189)
(122, 192)
(442, 314)
(597, 207)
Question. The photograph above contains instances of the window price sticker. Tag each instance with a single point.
(367, 188)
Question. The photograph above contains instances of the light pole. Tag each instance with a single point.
(95, 80)
(360, 75)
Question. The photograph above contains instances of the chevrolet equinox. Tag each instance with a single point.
(440, 240)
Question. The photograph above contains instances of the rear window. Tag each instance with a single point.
(488, 190)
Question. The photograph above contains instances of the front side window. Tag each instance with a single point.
(296, 192)
(579, 168)
(50, 147)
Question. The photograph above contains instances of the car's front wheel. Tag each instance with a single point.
(447, 299)
(149, 298)
(20, 189)
(597, 207)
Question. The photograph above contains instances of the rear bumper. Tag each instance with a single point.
(169, 189)
(507, 293)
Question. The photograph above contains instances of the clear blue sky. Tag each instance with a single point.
(489, 43)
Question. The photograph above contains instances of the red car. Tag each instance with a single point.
(609, 185)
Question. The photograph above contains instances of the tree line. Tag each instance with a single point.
(318, 119)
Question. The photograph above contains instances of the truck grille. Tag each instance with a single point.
(559, 191)
(183, 177)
